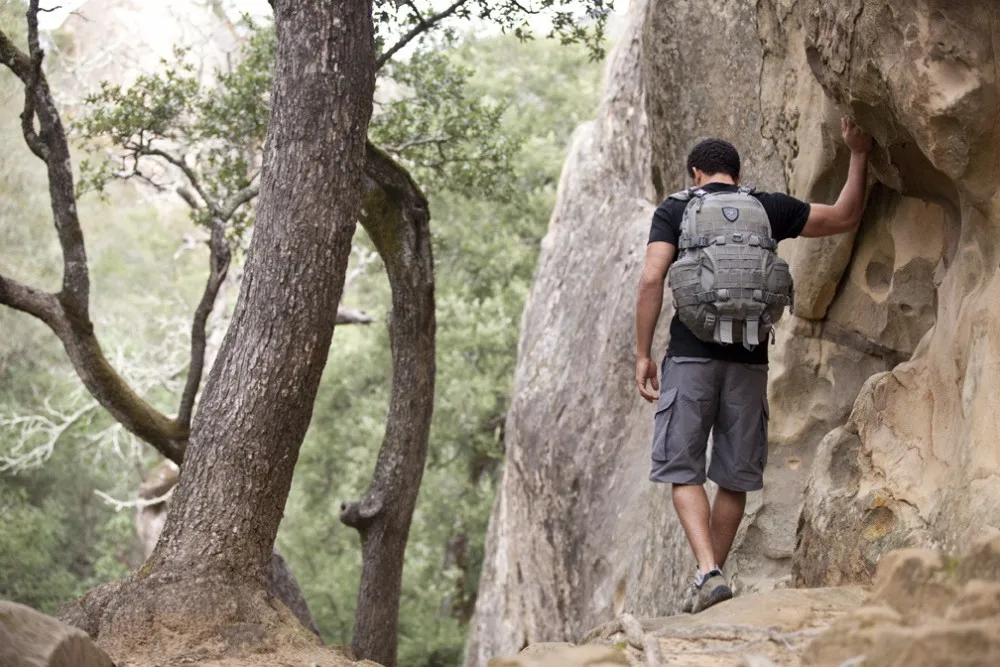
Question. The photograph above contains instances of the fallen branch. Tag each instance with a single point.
(138, 503)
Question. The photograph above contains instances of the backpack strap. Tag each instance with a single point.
(746, 190)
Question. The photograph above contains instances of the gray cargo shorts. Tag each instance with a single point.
(699, 395)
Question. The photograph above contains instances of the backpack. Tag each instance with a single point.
(729, 285)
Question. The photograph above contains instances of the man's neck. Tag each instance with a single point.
(719, 180)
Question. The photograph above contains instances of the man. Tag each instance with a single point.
(718, 379)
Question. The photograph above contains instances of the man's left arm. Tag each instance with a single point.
(649, 300)
(844, 216)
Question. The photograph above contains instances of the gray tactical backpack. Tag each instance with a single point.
(729, 285)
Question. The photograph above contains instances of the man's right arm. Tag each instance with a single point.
(649, 300)
(844, 216)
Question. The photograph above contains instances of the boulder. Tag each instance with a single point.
(926, 609)
(563, 655)
(31, 639)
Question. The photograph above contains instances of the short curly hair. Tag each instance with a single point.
(714, 156)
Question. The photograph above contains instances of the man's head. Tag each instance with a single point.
(714, 160)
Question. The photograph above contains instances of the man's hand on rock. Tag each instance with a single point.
(645, 371)
(856, 139)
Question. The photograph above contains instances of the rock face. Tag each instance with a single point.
(882, 419)
(918, 461)
(571, 478)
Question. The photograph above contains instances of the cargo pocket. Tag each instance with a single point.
(765, 417)
(661, 423)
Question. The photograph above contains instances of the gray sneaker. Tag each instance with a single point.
(713, 590)
(690, 595)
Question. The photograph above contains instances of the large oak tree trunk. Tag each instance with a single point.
(209, 568)
(259, 397)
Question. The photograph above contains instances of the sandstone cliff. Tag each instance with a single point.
(882, 383)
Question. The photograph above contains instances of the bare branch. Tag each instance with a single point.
(68, 312)
(396, 217)
(138, 503)
(407, 145)
(219, 262)
(353, 316)
(29, 300)
(25, 453)
(237, 200)
(417, 30)
(188, 198)
(146, 149)
(416, 12)
(14, 59)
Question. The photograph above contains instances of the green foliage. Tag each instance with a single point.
(570, 21)
(58, 538)
(170, 121)
(446, 137)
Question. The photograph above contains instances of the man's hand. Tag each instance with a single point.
(645, 371)
(856, 139)
(845, 215)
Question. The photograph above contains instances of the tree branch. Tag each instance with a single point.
(68, 312)
(146, 149)
(416, 31)
(219, 259)
(407, 145)
(242, 197)
(29, 300)
(396, 217)
(353, 316)
(188, 198)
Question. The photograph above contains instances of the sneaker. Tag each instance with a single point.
(713, 590)
(690, 595)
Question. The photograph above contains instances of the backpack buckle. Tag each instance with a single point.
(737, 238)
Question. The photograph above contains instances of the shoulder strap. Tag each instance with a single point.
(689, 193)
(747, 190)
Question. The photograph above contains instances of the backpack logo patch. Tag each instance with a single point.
(731, 213)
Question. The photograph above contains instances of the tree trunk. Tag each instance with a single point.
(396, 218)
(208, 571)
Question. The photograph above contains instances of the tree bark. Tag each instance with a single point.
(396, 218)
(259, 397)
(209, 569)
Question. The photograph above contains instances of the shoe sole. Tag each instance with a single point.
(720, 594)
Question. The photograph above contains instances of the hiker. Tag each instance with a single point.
(729, 288)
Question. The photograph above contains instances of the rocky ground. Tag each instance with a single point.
(925, 609)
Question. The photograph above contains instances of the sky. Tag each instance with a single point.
(53, 19)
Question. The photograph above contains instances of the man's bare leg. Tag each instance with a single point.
(691, 504)
(727, 513)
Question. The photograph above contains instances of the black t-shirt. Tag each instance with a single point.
(788, 217)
